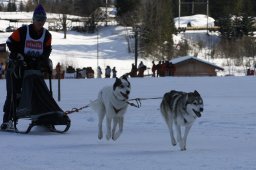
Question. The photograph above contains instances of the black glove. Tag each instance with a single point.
(32, 62)
(46, 65)
(20, 57)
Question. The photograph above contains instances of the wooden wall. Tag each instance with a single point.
(194, 68)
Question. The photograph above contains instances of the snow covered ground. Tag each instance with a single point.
(223, 138)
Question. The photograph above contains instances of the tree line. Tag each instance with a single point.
(153, 20)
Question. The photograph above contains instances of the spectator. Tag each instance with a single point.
(166, 68)
(154, 68)
(162, 69)
(141, 69)
(133, 72)
(99, 72)
(114, 72)
(89, 72)
(58, 71)
(83, 73)
(158, 69)
(107, 72)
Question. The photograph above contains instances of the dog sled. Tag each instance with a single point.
(37, 107)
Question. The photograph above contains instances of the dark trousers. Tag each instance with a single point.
(13, 87)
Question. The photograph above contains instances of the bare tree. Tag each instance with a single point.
(65, 9)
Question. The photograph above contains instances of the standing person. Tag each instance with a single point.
(58, 71)
(114, 72)
(141, 69)
(158, 69)
(1, 70)
(107, 72)
(162, 69)
(30, 48)
(166, 68)
(133, 72)
(99, 72)
(153, 69)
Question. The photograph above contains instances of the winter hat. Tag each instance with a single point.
(39, 13)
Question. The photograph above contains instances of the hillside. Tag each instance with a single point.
(80, 49)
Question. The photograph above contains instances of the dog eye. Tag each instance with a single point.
(195, 103)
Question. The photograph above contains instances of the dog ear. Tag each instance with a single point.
(124, 76)
(196, 93)
(117, 83)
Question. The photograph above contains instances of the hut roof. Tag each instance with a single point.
(179, 60)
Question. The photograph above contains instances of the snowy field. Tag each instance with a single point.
(223, 138)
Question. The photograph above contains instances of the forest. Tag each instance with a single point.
(154, 22)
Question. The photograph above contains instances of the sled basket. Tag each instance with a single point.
(37, 105)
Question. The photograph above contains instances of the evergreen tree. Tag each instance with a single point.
(219, 8)
(85, 8)
(157, 29)
(247, 25)
(22, 7)
(11, 7)
(233, 27)
(125, 6)
(29, 6)
(1, 7)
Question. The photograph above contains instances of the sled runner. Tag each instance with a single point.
(37, 106)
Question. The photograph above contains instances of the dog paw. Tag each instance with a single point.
(174, 143)
(114, 138)
(183, 149)
(182, 145)
(100, 135)
(108, 136)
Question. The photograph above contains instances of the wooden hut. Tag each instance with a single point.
(193, 66)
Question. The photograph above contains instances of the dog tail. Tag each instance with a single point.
(97, 106)
(164, 106)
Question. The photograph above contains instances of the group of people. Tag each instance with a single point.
(162, 69)
(108, 72)
(86, 72)
(138, 72)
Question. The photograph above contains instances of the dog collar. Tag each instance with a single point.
(117, 110)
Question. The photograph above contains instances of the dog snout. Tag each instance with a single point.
(201, 109)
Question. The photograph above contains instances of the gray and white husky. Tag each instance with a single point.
(112, 102)
(181, 109)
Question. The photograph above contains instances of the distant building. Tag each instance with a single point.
(192, 66)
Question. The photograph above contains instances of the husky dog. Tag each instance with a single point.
(112, 101)
(182, 109)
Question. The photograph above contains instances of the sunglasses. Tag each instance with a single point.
(39, 18)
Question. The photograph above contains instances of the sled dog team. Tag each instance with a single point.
(178, 108)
